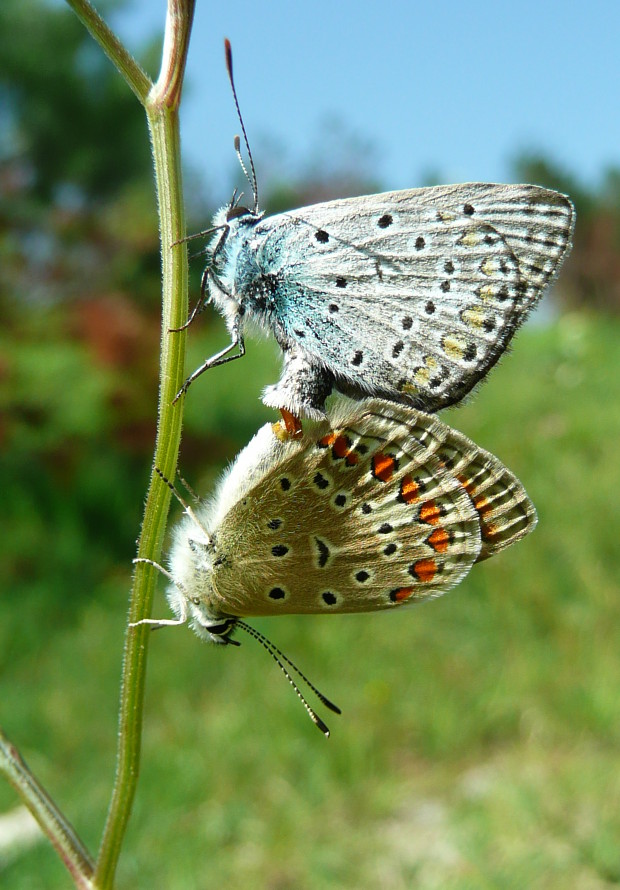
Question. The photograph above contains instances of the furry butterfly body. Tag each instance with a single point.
(379, 507)
(410, 296)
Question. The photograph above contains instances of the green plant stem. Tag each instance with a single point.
(162, 109)
(165, 136)
(161, 102)
(53, 823)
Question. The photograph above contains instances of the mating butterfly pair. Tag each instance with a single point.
(409, 297)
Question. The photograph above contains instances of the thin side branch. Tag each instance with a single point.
(53, 823)
(137, 79)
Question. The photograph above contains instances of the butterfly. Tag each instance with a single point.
(379, 507)
(410, 296)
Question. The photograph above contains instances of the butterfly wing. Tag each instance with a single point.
(505, 511)
(414, 295)
(364, 514)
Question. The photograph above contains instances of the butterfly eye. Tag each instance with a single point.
(196, 600)
(236, 212)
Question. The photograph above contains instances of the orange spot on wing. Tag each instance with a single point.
(383, 466)
(341, 448)
(439, 540)
(466, 483)
(401, 594)
(409, 490)
(430, 512)
(482, 506)
(488, 531)
(425, 569)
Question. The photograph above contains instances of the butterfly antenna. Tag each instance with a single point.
(251, 179)
(323, 698)
(188, 488)
(237, 144)
(187, 507)
(202, 234)
(271, 649)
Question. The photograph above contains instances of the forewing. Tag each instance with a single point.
(415, 294)
(353, 519)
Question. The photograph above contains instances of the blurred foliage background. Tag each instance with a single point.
(479, 744)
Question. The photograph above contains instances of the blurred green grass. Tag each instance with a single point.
(479, 744)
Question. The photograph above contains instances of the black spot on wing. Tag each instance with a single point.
(280, 550)
(322, 552)
(320, 481)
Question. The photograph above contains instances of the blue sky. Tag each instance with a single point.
(457, 88)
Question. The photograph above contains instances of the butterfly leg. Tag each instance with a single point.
(204, 281)
(198, 307)
(220, 358)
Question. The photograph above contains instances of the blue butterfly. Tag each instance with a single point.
(410, 296)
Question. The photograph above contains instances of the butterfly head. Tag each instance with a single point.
(237, 212)
(234, 210)
(191, 593)
(199, 615)
(233, 216)
(193, 608)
